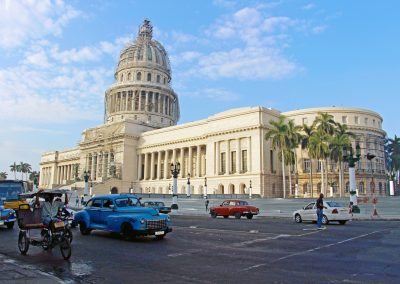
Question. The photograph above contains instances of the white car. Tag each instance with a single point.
(333, 211)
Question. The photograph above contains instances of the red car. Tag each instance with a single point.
(237, 208)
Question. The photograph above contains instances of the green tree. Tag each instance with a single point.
(318, 149)
(338, 141)
(27, 169)
(294, 138)
(14, 168)
(308, 131)
(3, 175)
(279, 141)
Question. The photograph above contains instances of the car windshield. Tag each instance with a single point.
(334, 204)
(10, 191)
(127, 202)
(243, 203)
(159, 203)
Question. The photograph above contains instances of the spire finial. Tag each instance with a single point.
(146, 30)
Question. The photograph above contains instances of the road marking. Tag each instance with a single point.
(220, 230)
(261, 240)
(312, 250)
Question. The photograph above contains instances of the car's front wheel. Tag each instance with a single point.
(10, 225)
(213, 215)
(249, 216)
(126, 231)
(84, 229)
(238, 215)
(325, 220)
(342, 222)
(297, 218)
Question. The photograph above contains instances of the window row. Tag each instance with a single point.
(148, 77)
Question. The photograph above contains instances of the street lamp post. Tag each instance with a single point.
(205, 188)
(188, 186)
(351, 160)
(86, 175)
(131, 188)
(91, 188)
(250, 191)
(175, 169)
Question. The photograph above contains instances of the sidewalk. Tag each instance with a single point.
(14, 273)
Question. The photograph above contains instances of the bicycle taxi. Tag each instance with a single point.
(56, 233)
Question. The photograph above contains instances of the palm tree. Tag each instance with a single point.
(318, 149)
(3, 175)
(279, 140)
(28, 169)
(325, 123)
(393, 152)
(294, 137)
(21, 169)
(14, 168)
(336, 145)
(305, 142)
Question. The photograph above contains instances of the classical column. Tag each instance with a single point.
(108, 163)
(126, 100)
(139, 169)
(238, 150)
(249, 155)
(146, 164)
(153, 102)
(198, 163)
(217, 155)
(98, 164)
(152, 165)
(181, 174)
(166, 165)
(228, 157)
(104, 172)
(92, 167)
(146, 104)
(159, 165)
(174, 156)
(190, 160)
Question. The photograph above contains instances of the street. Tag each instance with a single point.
(205, 250)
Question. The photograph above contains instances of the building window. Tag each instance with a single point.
(306, 165)
(244, 161)
(156, 102)
(129, 76)
(356, 120)
(366, 120)
(165, 80)
(233, 162)
(373, 122)
(361, 187)
(148, 77)
(158, 78)
(271, 161)
(344, 119)
(139, 76)
(122, 78)
(305, 120)
(223, 163)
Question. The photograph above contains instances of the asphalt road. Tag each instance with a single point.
(205, 250)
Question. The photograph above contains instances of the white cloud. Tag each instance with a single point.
(187, 56)
(248, 63)
(77, 55)
(214, 94)
(276, 23)
(309, 6)
(22, 20)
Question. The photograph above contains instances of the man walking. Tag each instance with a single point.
(206, 203)
(320, 211)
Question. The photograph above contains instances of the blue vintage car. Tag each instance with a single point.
(122, 214)
(7, 217)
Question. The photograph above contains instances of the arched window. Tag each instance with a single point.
(148, 77)
(140, 54)
(334, 187)
(158, 78)
(149, 53)
(122, 78)
(157, 56)
(129, 76)
(139, 76)
(347, 186)
(380, 188)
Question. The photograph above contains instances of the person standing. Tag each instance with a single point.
(206, 203)
(320, 211)
(77, 201)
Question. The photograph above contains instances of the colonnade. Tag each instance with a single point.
(45, 176)
(98, 164)
(65, 172)
(140, 100)
(232, 156)
(156, 165)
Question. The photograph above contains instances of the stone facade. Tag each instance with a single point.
(135, 147)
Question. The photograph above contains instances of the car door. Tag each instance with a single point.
(309, 212)
(105, 211)
(93, 209)
(223, 210)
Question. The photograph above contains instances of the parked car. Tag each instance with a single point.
(122, 214)
(7, 217)
(158, 205)
(237, 208)
(333, 211)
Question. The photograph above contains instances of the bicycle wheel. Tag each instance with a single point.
(65, 248)
(23, 242)
(68, 235)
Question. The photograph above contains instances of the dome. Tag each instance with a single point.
(142, 92)
(144, 52)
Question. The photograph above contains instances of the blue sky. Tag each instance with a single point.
(58, 57)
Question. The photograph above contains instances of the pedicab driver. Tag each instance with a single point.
(49, 207)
